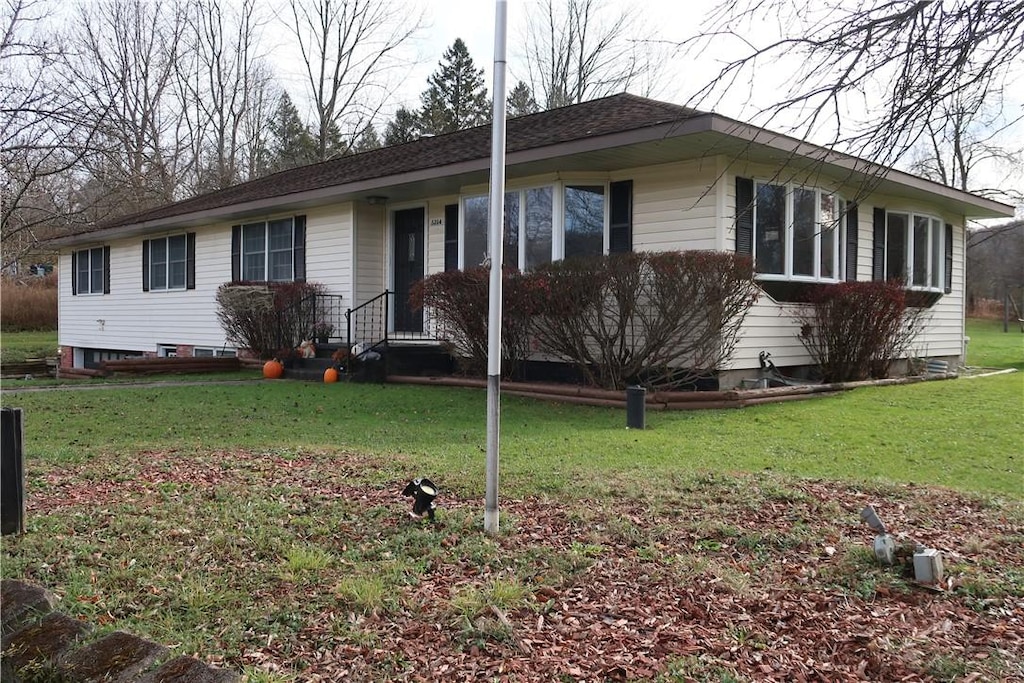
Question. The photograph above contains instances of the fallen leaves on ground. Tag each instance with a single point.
(753, 577)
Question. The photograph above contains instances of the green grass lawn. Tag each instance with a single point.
(957, 433)
(15, 347)
(990, 347)
(260, 523)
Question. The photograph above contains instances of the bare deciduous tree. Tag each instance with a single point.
(578, 50)
(222, 86)
(42, 131)
(965, 139)
(128, 52)
(347, 48)
(873, 75)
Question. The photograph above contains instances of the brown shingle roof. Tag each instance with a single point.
(614, 114)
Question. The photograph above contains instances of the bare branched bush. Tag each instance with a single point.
(854, 330)
(660, 319)
(267, 316)
(460, 303)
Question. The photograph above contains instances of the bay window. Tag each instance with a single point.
(797, 232)
(914, 249)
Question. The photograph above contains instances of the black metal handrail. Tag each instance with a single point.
(366, 325)
(315, 317)
(369, 325)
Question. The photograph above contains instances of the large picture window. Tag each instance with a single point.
(542, 224)
(914, 249)
(797, 232)
(269, 251)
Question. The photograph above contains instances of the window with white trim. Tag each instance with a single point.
(167, 262)
(542, 224)
(798, 233)
(90, 270)
(914, 249)
(268, 250)
(273, 251)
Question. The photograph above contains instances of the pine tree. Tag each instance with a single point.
(455, 97)
(521, 101)
(291, 143)
(405, 127)
(367, 140)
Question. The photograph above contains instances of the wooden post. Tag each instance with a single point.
(12, 472)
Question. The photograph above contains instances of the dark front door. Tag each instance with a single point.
(408, 267)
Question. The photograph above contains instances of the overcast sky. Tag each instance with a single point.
(666, 21)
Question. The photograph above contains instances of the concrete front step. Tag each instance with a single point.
(404, 359)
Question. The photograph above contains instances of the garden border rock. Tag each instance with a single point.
(39, 642)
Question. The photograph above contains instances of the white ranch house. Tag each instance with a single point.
(613, 174)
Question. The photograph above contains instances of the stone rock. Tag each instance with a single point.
(186, 669)
(117, 658)
(22, 602)
(36, 647)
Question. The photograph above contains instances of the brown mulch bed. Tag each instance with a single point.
(748, 577)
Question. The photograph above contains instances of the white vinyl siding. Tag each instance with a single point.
(370, 233)
(127, 319)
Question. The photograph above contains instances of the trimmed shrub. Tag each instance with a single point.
(660, 319)
(267, 316)
(854, 330)
(460, 303)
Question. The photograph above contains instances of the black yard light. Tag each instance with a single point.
(424, 492)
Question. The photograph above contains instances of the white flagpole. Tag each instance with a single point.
(497, 221)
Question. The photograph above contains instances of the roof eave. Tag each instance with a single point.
(973, 206)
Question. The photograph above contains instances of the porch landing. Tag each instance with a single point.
(414, 357)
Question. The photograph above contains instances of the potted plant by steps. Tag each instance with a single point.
(322, 331)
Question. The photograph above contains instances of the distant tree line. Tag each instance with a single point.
(110, 107)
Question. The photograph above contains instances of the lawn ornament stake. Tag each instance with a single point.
(424, 492)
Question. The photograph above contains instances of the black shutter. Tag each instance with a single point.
(145, 265)
(74, 273)
(852, 228)
(620, 229)
(744, 216)
(106, 270)
(878, 245)
(949, 258)
(190, 260)
(299, 249)
(451, 237)
(236, 253)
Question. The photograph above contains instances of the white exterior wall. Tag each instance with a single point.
(674, 206)
(369, 254)
(770, 326)
(129, 319)
(329, 244)
(435, 232)
(685, 205)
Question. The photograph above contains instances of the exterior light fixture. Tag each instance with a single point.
(423, 492)
(376, 200)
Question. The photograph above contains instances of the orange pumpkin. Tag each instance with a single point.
(330, 375)
(273, 369)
